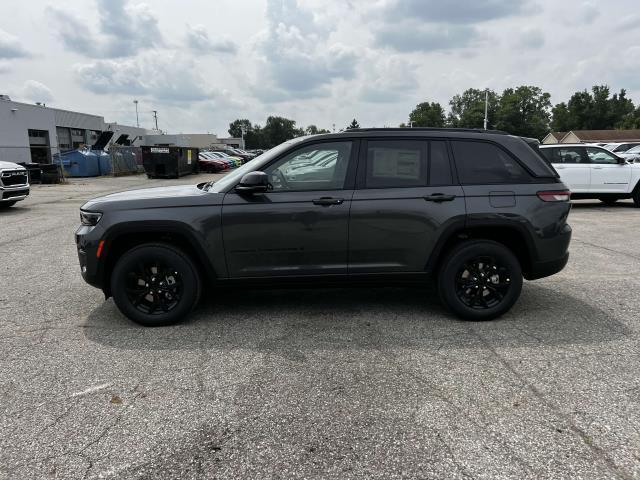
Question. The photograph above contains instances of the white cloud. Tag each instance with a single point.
(35, 91)
(198, 40)
(169, 77)
(122, 30)
(11, 46)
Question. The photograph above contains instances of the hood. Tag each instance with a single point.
(12, 166)
(158, 197)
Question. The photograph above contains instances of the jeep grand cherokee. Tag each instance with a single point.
(477, 211)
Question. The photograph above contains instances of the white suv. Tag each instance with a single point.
(14, 183)
(594, 172)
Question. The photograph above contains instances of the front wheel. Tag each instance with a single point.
(155, 285)
(636, 197)
(480, 280)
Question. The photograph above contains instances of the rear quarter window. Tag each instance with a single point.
(481, 163)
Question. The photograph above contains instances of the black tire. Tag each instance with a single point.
(609, 200)
(159, 266)
(7, 204)
(479, 280)
(636, 197)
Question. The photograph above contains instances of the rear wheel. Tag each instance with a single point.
(636, 197)
(155, 285)
(480, 280)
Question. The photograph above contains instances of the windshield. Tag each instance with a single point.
(257, 163)
(635, 149)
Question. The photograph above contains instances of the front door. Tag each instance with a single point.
(300, 226)
(405, 199)
(607, 174)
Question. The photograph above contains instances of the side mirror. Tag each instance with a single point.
(622, 160)
(253, 182)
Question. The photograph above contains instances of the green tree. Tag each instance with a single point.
(313, 130)
(235, 127)
(467, 110)
(353, 124)
(524, 111)
(428, 115)
(279, 129)
(631, 120)
(620, 108)
(561, 118)
(595, 110)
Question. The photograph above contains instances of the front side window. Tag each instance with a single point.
(600, 156)
(396, 163)
(482, 163)
(321, 166)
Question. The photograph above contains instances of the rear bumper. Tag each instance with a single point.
(555, 256)
(546, 269)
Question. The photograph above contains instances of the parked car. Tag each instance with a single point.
(620, 147)
(475, 210)
(14, 183)
(594, 172)
(631, 155)
(211, 165)
(234, 161)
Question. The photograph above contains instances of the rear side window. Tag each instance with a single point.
(396, 163)
(566, 155)
(483, 163)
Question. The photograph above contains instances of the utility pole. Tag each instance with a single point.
(410, 124)
(137, 119)
(155, 116)
(486, 108)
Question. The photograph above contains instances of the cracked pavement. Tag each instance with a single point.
(329, 383)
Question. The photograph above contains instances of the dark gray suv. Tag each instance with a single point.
(475, 210)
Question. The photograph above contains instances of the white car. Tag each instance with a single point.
(14, 183)
(618, 148)
(594, 172)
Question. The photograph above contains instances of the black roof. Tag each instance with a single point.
(426, 129)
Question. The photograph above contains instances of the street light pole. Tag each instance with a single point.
(486, 108)
(155, 116)
(137, 119)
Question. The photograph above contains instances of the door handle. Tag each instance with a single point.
(327, 201)
(439, 197)
(597, 168)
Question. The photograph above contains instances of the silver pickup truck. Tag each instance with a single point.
(14, 183)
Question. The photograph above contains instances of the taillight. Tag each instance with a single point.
(555, 196)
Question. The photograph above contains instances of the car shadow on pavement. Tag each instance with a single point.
(291, 322)
(597, 204)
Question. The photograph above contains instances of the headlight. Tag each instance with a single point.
(90, 218)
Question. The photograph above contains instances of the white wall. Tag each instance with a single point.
(14, 129)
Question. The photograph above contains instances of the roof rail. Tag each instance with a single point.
(426, 129)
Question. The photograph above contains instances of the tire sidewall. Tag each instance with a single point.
(466, 252)
(170, 256)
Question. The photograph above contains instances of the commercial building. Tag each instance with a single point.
(36, 133)
(593, 136)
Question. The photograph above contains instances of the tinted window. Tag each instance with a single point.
(315, 167)
(599, 155)
(396, 163)
(484, 163)
(439, 165)
(566, 155)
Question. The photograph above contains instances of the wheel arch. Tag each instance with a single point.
(513, 237)
(124, 237)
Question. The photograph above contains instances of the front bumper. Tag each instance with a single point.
(87, 241)
(14, 194)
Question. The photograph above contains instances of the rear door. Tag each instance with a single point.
(300, 226)
(405, 199)
(607, 174)
(573, 166)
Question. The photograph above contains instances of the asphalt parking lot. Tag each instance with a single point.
(354, 383)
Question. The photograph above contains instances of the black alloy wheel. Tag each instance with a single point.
(155, 284)
(482, 283)
(479, 280)
(154, 288)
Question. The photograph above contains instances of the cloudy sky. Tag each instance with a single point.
(203, 63)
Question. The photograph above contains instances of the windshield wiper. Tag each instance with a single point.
(207, 186)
